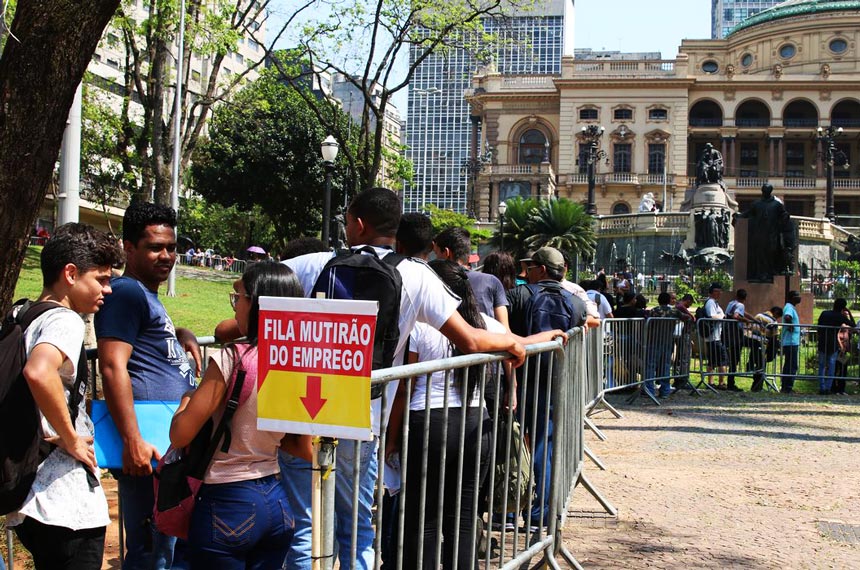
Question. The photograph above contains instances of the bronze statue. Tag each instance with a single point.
(709, 170)
(711, 228)
(771, 238)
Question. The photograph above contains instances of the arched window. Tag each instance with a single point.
(621, 208)
(532, 147)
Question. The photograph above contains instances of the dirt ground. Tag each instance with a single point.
(723, 481)
(720, 481)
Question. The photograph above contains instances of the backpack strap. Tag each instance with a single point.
(238, 394)
(26, 315)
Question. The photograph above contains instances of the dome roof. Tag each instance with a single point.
(796, 8)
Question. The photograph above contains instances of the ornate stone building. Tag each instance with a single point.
(758, 96)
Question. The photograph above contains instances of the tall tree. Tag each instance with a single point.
(264, 149)
(45, 54)
(368, 44)
(213, 29)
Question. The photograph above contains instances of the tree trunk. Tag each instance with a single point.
(38, 76)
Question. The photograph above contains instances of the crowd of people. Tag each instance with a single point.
(254, 507)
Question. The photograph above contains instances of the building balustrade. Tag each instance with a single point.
(543, 168)
(847, 183)
(705, 122)
(799, 182)
(527, 82)
(637, 67)
(678, 223)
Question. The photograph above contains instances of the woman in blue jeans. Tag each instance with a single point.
(242, 518)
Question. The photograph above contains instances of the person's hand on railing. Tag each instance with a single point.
(188, 342)
(545, 336)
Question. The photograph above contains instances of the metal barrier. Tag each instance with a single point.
(550, 403)
(642, 352)
(215, 262)
(728, 348)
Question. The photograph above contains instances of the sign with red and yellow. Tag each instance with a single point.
(315, 359)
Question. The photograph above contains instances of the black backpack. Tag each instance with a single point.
(21, 454)
(705, 327)
(362, 275)
(551, 306)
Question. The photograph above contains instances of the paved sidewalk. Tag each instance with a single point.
(728, 481)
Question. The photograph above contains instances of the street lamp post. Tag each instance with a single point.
(474, 166)
(591, 135)
(832, 156)
(503, 207)
(328, 149)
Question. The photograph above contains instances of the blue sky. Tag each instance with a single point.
(640, 25)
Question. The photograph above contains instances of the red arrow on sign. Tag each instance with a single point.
(313, 401)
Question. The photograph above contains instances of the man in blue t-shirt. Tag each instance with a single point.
(790, 342)
(142, 357)
(456, 244)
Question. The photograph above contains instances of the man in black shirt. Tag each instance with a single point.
(828, 349)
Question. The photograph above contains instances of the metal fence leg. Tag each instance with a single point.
(590, 425)
(635, 397)
(568, 557)
(607, 506)
(594, 459)
(600, 405)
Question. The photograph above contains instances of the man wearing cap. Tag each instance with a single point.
(544, 271)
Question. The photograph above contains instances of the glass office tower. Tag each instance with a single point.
(726, 14)
(438, 126)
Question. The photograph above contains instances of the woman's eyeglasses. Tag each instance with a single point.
(234, 298)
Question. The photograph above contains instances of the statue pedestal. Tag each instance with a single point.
(762, 296)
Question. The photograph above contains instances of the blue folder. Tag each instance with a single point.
(153, 419)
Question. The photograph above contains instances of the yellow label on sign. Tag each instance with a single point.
(326, 398)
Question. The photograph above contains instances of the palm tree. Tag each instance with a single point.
(516, 225)
(561, 224)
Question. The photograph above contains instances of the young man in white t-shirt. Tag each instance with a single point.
(63, 519)
(716, 350)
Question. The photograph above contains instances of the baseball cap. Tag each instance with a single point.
(548, 256)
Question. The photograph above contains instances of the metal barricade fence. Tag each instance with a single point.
(523, 465)
(726, 349)
(475, 523)
(819, 354)
(644, 351)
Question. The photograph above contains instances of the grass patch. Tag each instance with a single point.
(200, 304)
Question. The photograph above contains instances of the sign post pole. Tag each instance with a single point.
(314, 379)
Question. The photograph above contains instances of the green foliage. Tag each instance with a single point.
(530, 224)
(107, 168)
(517, 225)
(840, 267)
(7, 13)
(263, 150)
(443, 219)
(564, 225)
(227, 230)
(702, 279)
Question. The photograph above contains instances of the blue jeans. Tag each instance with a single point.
(247, 524)
(296, 481)
(297, 484)
(826, 370)
(658, 364)
(145, 547)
